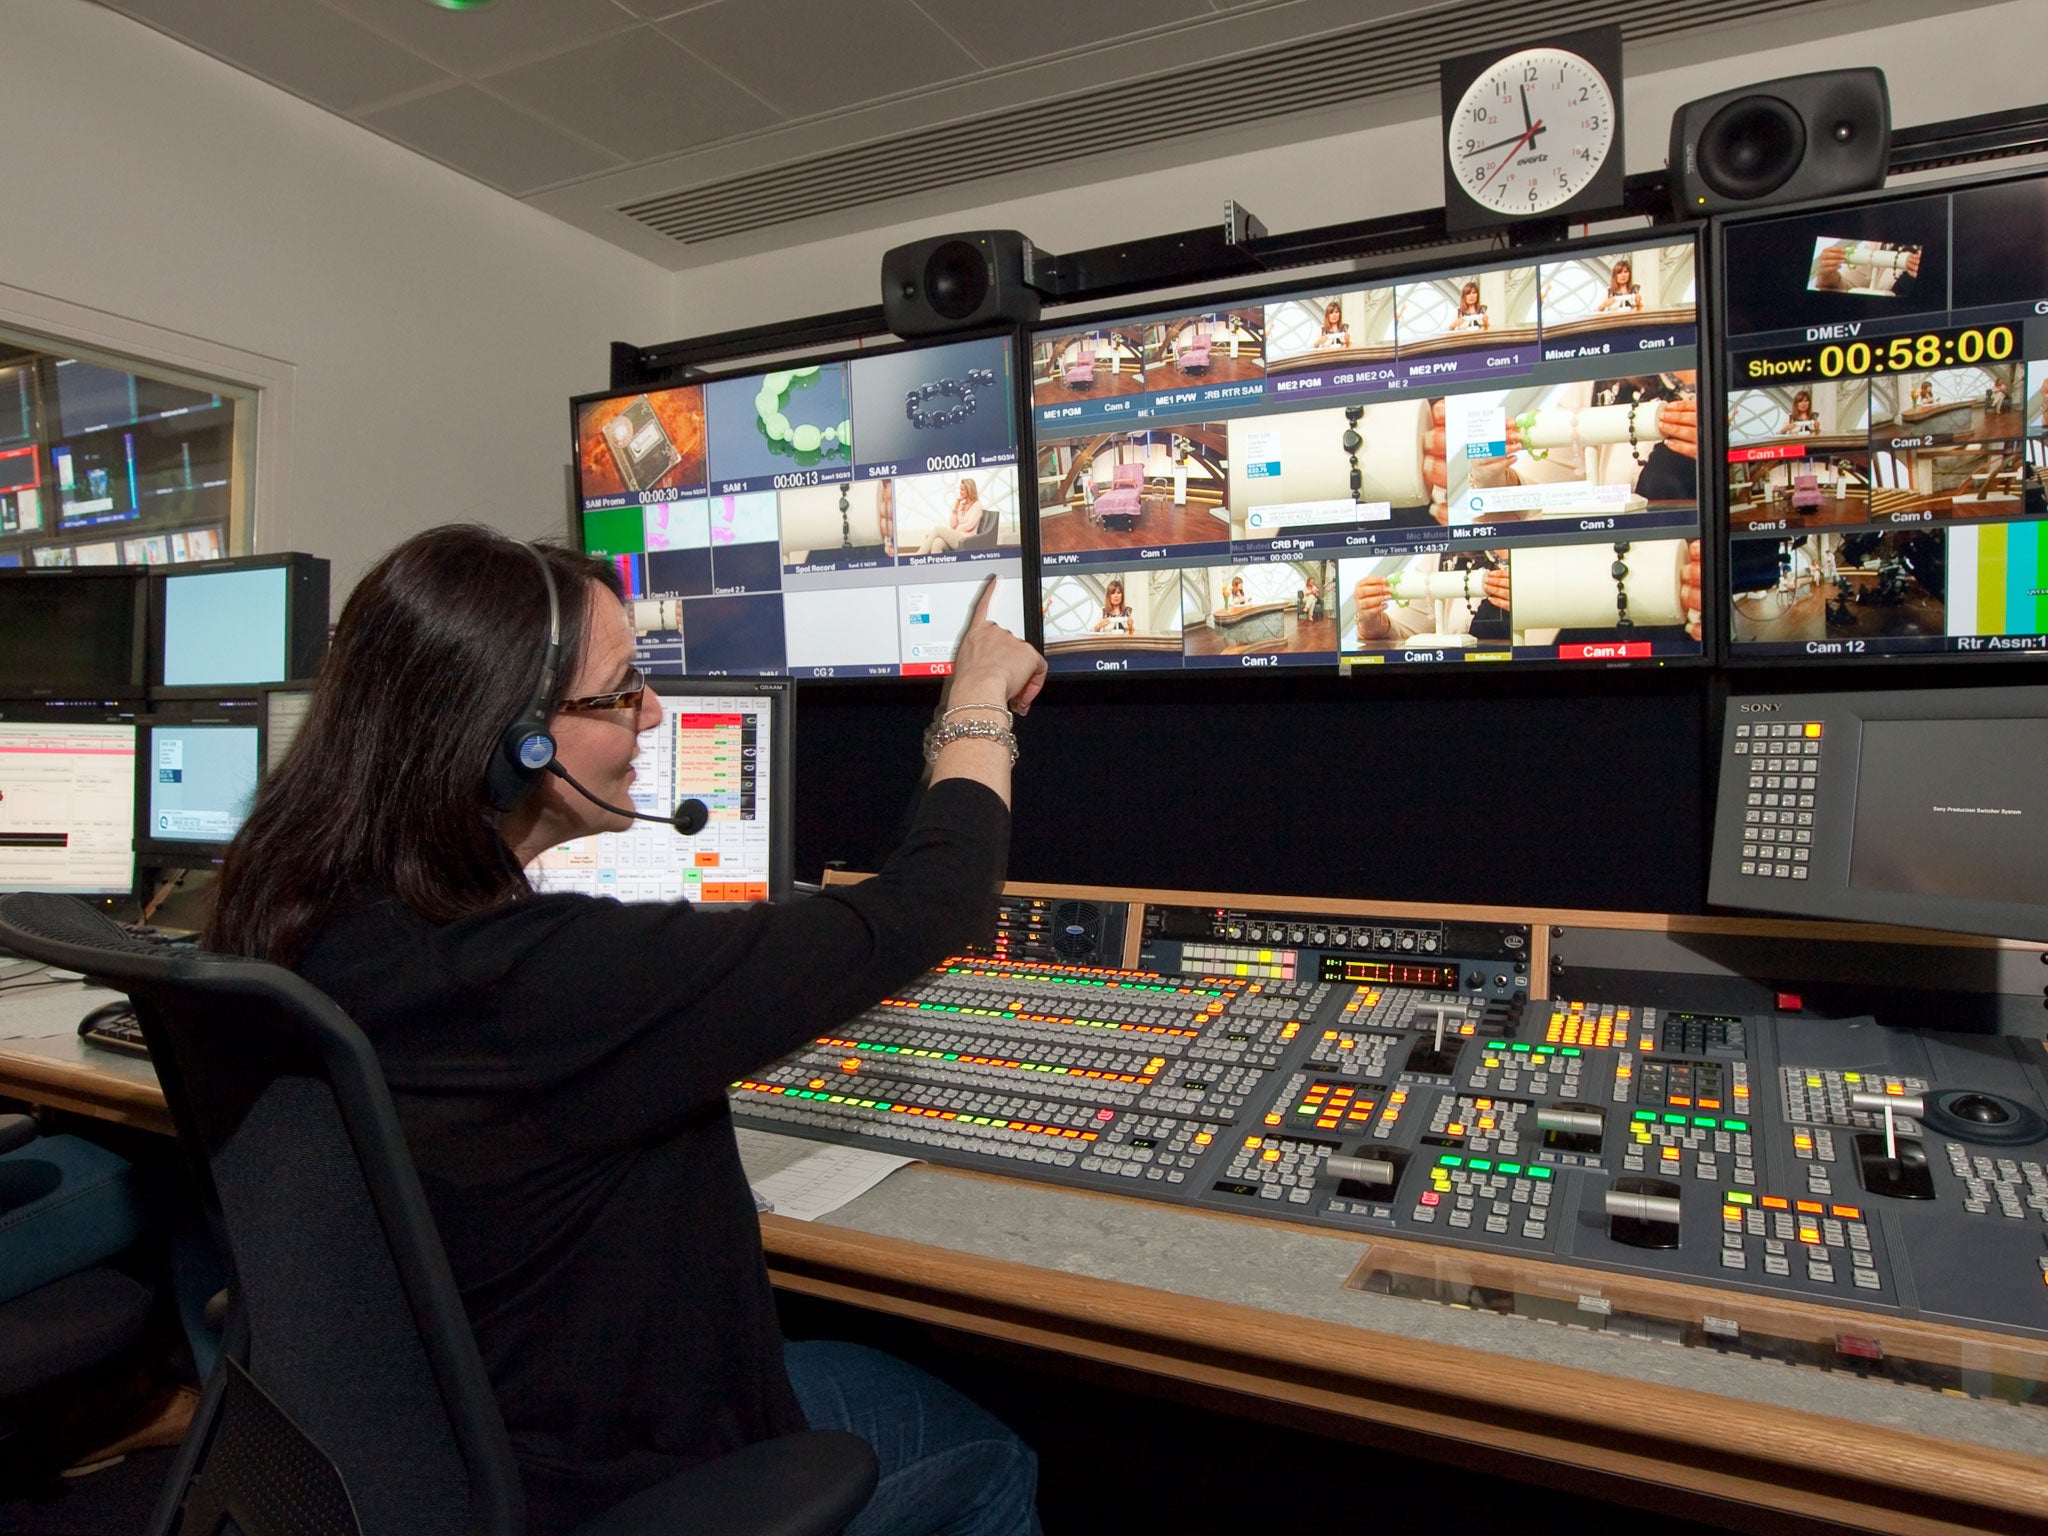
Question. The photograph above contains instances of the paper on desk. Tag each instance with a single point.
(824, 1179)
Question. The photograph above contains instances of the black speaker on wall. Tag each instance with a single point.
(1783, 141)
(958, 282)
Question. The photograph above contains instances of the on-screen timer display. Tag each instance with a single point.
(1532, 131)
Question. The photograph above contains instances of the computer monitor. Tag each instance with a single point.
(1883, 383)
(830, 519)
(1492, 462)
(237, 623)
(1923, 807)
(67, 802)
(283, 709)
(726, 742)
(199, 762)
(71, 634)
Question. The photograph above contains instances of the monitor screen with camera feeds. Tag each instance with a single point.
(1493, 463)
(830, 520)
(1883, 392)
(724, 743)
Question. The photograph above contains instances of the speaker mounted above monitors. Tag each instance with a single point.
(960, 282)
(1781, 141)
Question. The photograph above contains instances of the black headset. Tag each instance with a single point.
(526, 748)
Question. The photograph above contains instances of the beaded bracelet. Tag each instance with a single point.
(937, 737)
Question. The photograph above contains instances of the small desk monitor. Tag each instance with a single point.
(283, 708)
(726, 742)
(237, 623)
(67, 806)
(1924, 807)
(72, 634)
(198, 765)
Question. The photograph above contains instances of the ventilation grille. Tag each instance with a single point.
(1371, 60)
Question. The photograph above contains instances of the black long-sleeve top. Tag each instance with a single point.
(559, 1067)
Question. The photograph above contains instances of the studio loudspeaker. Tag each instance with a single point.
(958, 282)
(1783, 141)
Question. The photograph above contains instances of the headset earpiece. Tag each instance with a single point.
(526, 748)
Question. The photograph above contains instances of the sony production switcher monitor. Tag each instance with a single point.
(1492, 463)
(1885, 371)
(1924, 807)
(833, 519)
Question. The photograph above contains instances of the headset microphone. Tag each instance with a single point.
(688, 819)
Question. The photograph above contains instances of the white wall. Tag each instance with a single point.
(1978, 60)
(434, 329)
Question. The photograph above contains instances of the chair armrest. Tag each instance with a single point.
(16, 1131)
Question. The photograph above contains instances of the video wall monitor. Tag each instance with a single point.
(726, 743)
(67, 804)
(71, 634)
(1883, 392)
(829, 520)
(1490, 463)
(200, 761)
(1921, 807)
(238, 623)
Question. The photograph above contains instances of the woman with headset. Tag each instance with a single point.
(559, 1062)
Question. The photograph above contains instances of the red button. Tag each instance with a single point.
(1429, 1197)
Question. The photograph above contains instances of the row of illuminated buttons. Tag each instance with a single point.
(1779, 871)
(1773, 798)
(1766, 853)
(1777, 730)
(1781, 781)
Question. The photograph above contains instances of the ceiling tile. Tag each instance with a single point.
(809, 57)
(305, 49)
(473, 132)
(999, 34)
(637, 94)
(474, 43)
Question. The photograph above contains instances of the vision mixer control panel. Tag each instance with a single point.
(1403, 1083)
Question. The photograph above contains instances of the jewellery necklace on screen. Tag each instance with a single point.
(959, 391)
(783, 435)
(1352, 443)
(845, 522)
(1619, 571)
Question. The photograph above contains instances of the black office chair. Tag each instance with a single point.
(350, 1399)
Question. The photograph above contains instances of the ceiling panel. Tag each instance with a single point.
(473, 43)
(821, 58)
(471, 131)
(637, 94)
(308, 50)
(997, 33)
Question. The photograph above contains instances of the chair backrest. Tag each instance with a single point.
(1130, 475)
(346, 1318)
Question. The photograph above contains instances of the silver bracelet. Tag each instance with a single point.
(937, 737)
(947, 714)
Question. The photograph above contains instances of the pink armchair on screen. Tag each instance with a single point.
(1125, 498)
(1080, 370)
(1194, 352)
(1806, 493)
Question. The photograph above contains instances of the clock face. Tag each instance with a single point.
(1531, 132)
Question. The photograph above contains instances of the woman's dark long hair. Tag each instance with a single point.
(437, 653)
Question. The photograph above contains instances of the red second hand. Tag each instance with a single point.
(1509, 158)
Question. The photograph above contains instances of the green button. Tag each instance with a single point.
(1539, 1173)
(1736, 1125)
(1481, 1164)
(1448, 1161)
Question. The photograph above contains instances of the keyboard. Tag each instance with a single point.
(112, 1027)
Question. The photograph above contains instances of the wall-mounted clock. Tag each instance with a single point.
(1533, 132)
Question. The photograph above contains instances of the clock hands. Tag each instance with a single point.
(1527, 121)
(1533, 132)
(1508, 159)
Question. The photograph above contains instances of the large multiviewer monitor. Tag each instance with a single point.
(833, 519)
(67, 802)
(1922, 807)
(1883, 386)
(725, 742)
(1493, 462)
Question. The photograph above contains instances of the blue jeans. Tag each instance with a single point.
(948, 1467)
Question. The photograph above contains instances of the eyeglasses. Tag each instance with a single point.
(627, 697)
